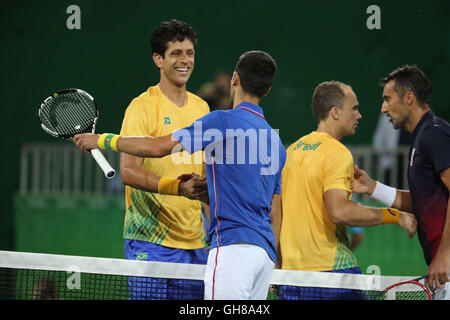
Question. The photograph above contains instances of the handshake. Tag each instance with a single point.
(193, 187)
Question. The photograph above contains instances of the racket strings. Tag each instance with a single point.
(405, 291)
(69, 113)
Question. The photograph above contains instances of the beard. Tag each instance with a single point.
(398, 123)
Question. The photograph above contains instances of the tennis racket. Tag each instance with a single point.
(69, 112)
(406, 290)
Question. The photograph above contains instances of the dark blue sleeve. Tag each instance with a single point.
(201, 133)
(438, 146)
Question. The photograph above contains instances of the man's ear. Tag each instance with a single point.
(334, 113)
(235, 79)
(158, 59)
(267, 92)
(409, 98)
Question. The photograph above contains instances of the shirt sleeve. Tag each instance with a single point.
(202, 133)
(278, 185)
(282, 163)
(338, 172)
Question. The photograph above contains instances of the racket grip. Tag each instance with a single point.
(103, 163)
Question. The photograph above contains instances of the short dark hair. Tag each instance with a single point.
(257, 70)
(326, 95)
(410, 78)
(173, 30)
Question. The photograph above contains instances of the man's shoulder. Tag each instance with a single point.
(144, 100)
(436, 128)
(439, 125)
(198, 101)
(339, 146)
(195, 97)
(336, 151)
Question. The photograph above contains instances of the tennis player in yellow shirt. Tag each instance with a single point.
(317, 183)
(161, 225)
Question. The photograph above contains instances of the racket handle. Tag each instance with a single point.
(103, 163)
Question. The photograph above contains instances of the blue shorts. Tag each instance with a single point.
(311, 293)
(142, 288)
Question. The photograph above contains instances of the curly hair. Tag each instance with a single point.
(173, 30)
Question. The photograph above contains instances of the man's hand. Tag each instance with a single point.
(438, 271)
(362, 182)
(194, 187)
(408, 222)
(86, 141)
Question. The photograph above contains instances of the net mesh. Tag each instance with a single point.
(68, 113)
(35, 276)
(57, 285)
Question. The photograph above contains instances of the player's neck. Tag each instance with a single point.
(416, 114)
(333, 131)
(241, 96)
(176, 94)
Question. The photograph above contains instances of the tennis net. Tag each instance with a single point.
(36, 276)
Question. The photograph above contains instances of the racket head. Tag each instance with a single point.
(68, 112)
(406, 290)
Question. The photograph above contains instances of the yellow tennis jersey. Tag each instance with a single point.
(309, 239)
(172, 221)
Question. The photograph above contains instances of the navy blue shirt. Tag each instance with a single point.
(429, 155)
(244, 158)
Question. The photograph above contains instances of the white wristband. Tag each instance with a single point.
(385, 194)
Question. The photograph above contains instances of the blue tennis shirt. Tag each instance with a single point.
(244, 158)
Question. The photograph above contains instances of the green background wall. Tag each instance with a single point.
(312, 41)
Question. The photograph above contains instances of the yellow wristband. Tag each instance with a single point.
(101, 141)
(168, 186)
(390, 215)
(108, 141)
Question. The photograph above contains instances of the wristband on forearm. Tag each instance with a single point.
(168, 186)
(108, 141)
(385, 194)
(390, 215)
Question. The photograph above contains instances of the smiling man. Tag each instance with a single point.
(160, 225)
(317, 183)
